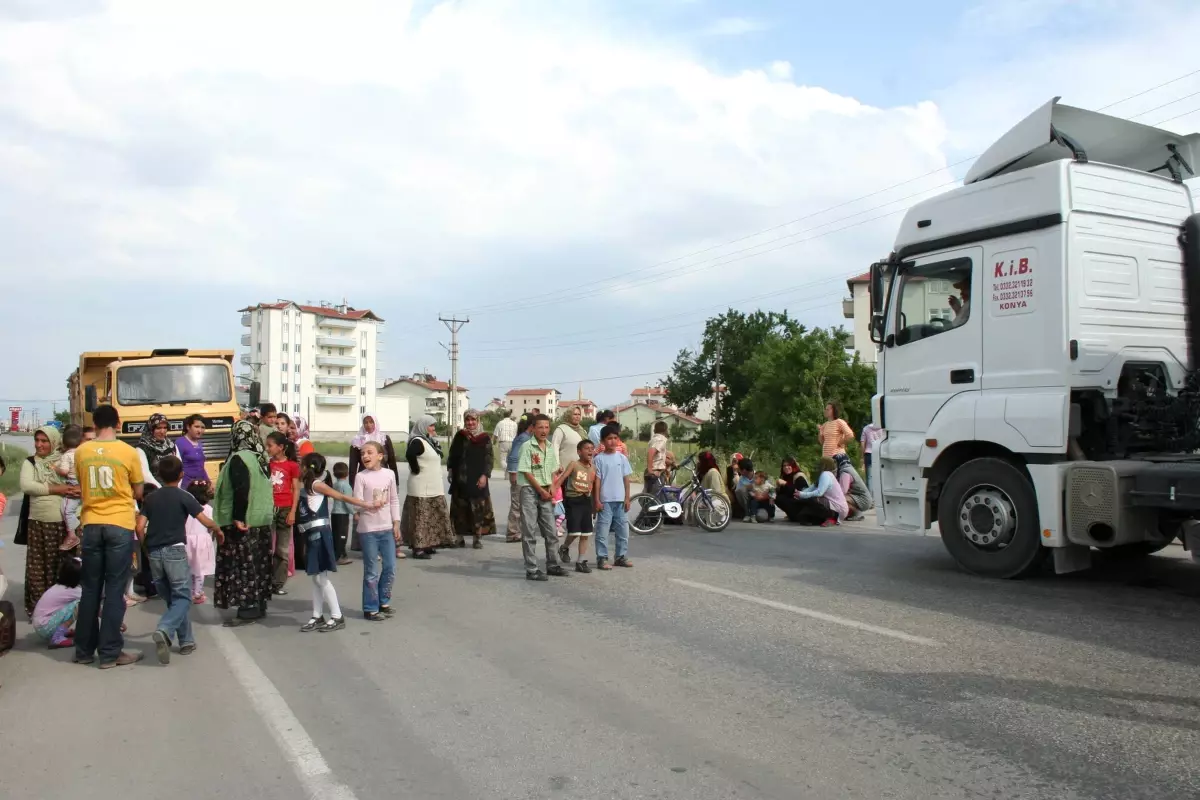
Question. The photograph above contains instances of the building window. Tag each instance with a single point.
(362, 409)
(364, 372)
(297, 388)
(259, 348)
(296, 408)
(297, 347)
(285, 347)
(363, 391)
(285, 369)
(341, 390)
(285, 315)
(364, 353)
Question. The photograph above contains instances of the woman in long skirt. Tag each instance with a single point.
(425, 523)
(43, 523)
(244, 508)
(470, 465)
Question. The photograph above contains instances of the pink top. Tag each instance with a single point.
(373, 484)
(56, 598)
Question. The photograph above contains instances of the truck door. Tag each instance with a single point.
(933, 350)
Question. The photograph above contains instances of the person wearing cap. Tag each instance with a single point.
(961, 308)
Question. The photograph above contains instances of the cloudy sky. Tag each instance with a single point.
(587, 179)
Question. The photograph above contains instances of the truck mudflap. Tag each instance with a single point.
(1168, 486)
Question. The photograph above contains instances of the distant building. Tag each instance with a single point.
(522, 401)
(320, 361)
(495, 404)
(426, 394)
(649, 394)
(706, 408)
(635, 415)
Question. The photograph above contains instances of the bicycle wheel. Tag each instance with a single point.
(644, 522)
(712, 512)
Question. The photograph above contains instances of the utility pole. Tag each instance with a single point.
(454, 324)
(717, 403)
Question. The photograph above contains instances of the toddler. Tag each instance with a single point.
(560, 514)
(72, 437)
(762, 497)
(201, 554)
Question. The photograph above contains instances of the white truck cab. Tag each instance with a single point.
(1035, 328)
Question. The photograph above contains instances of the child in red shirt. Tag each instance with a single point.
(285, 483)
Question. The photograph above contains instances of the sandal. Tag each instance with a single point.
(133, 600)
(69, 543)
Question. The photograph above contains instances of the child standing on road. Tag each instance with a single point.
(72, 437)
(285, 483)
(314, 525)
(378, 531)
(340, 518)
(611, 495)
(576, 484)
(202, 555)
(162, 527)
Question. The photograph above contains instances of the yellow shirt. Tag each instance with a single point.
(108, 471)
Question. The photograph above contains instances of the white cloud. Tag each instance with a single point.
(256, 141)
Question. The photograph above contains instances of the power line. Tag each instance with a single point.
(574, 290)
(565, 381)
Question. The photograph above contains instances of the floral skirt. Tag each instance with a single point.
(243, 576)
(472, 516)
(425, 523)
(42, 558)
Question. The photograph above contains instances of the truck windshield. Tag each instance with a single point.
(173, 383)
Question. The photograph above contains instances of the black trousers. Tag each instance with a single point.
(341, 533)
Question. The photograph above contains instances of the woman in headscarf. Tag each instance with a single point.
(153, 446)
(791, 481)
(371, 432)
(568, 435)
(41, 515)
(244, 508)
(425, 522)
(298, 433)
(470, 466)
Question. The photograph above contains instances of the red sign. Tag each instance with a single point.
(15, 411)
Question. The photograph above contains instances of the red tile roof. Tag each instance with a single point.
(433, 386)
(573, 403)
(321, 311)
(530, 392)
(649, 391)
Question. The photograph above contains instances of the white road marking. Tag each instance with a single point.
(808, 612)
(310, 766)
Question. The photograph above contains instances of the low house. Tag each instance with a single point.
(635, 416)
(649, 394)
(426, 394)
(588, 407)
(495, 404)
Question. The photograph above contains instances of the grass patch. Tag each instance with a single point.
(637, 453)
(334, 449)
(10, 481)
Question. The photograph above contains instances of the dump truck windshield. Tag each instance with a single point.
(173, 383)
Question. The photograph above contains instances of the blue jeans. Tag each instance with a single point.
(377, 584)
(612, 515)
(173, 580)
(107, 564)
(755, 505)
(867, 467)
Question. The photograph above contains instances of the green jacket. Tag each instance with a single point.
(260, 504)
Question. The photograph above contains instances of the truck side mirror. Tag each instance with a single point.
(255, 394)
(875, 287)
(877, 328)
(89, 398)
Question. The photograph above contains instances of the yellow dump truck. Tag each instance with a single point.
(174, 383)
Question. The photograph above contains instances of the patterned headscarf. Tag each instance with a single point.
(301, 426)
(155, 449)
(245, 437)
(377, 436)
(45, 466)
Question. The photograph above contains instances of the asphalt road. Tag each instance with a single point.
(761, 662)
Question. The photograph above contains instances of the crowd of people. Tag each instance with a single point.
(108, 525)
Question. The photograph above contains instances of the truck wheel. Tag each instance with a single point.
(988, 516)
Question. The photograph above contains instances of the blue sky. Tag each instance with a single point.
(160, 168)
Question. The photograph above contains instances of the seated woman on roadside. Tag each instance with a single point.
(823, 504)
(791, 480)
(710, 473)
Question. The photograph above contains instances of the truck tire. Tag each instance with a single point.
(988, 517)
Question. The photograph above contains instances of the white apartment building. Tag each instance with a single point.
(522, 401)
(318, 361)
(426, 394)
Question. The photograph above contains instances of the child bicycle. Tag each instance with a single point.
(711, 511)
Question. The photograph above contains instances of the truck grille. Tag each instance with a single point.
(216, 445)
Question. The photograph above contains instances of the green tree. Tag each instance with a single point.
(63, 417)
(644, 432)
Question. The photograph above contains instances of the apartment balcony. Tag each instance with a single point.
(245, 359)
(848, 308)
(245, 340)
(246, 320)
(337, 323)
(336, 399)
(336, 361)
(336, 380)
(336, 341)
(432, 403)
